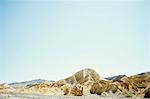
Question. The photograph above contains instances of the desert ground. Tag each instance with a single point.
(38, 96)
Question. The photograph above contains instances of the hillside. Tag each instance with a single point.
(85, 82)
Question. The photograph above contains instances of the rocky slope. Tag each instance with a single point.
(87, 82)
(6, 88)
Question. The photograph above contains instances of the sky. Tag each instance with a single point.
(52, 39)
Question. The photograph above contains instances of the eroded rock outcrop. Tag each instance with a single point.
(134, 85)
(83, 76)
(6, 88)
(86, 82)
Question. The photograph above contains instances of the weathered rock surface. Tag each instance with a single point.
(83, 76)
(147, 93)
(87, 82)
(134, 85)
(6, 88)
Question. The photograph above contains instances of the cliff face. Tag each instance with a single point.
(88, 81)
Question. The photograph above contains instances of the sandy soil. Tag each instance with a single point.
(36, 96)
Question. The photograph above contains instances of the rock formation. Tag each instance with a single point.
(86, 82)
(83, 76)
(6, 88)
(147, 93)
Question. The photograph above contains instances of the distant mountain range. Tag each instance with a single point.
(118, 77)
(28, 83)
(144, 74)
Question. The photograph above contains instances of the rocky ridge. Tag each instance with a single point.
(87, 82)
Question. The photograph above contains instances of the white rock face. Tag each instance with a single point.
(83, 76)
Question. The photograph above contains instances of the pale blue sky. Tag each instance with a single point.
(53, 39)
